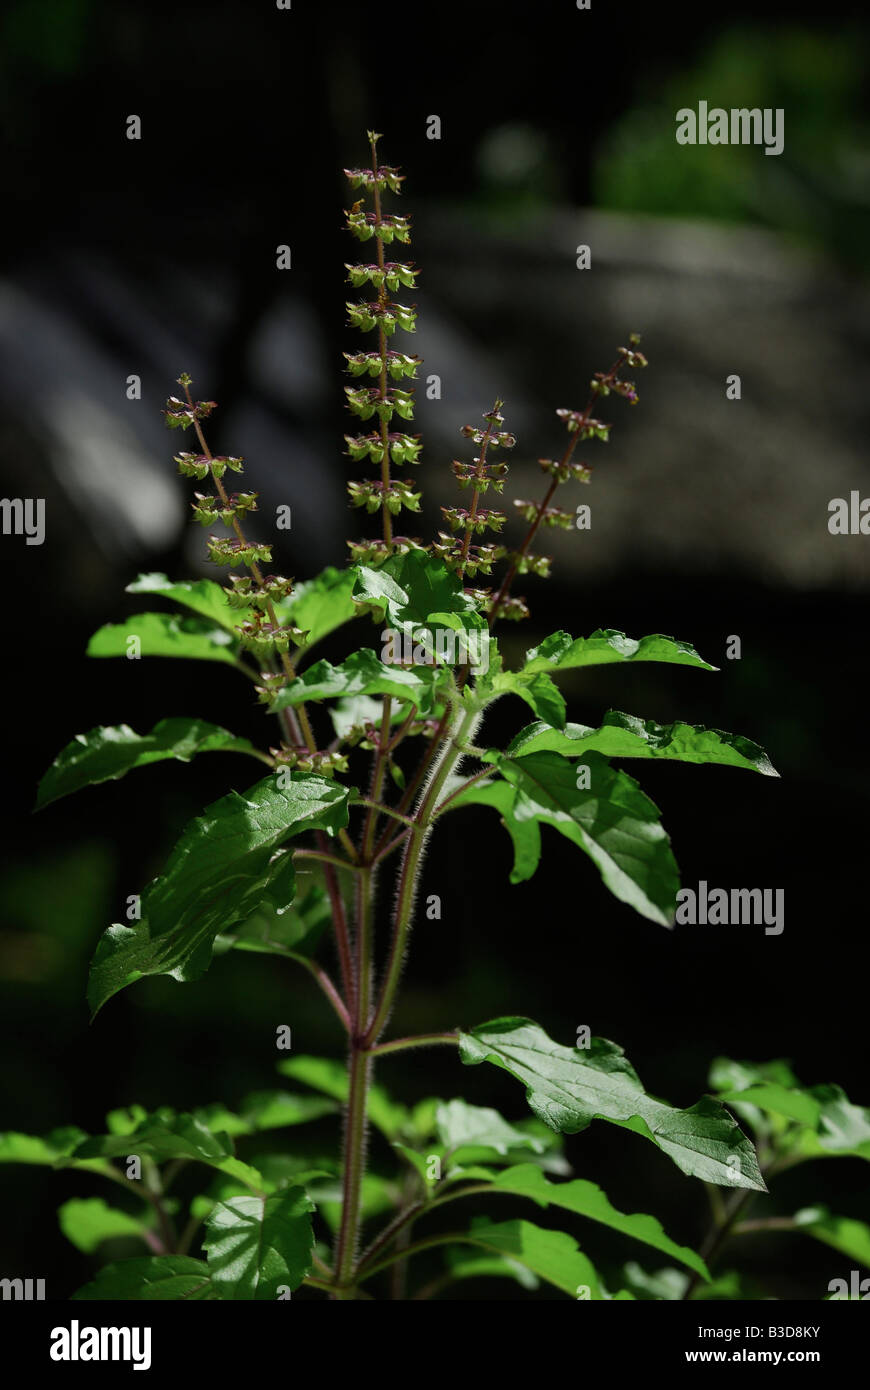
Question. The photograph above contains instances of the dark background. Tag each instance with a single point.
(248, 116)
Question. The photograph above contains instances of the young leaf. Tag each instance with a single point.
(321, 605)
(203, 596)
(257, 1245)
(561, 652)
(54, 1150)
(160, 1277)
(537, 689)
(220, 870)
(87, 1222)
(414, 588)
(552, 1255)
(611, 820)
(461, 1125)
(568, 1087)
(828, 1123)
(162, 1135)
(110, 752)
(360, 674)
(587, 1199)
(265, 1110)
(166, 634)
(626, 736)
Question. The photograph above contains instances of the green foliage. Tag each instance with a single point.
(289, 869)
(568, 1087)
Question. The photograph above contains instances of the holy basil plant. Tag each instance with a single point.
(400, 717)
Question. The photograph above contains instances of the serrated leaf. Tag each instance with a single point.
(87, 1222)
(256, 1245)
(110, 752)
(329, 1076)
(561, 652)
(611, 820)
(626, 736)
(552, 1255)
(166, 634)
(412, 588)
(203, 596)
(569, 1087)
(587, 1199)
(218, 873)
(321, 605)
(156, 1278)
(362, 673)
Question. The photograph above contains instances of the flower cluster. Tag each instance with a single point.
(382, 403)
(581, 426)
(479, 476)
(260, 633)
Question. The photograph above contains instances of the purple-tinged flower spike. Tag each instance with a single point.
(383, 316)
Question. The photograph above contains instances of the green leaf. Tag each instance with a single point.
(166, 634)
(293, 931)
(612, 821)
(363, 673)
(125, 1120)
(851, 1238)
(204, 596)
(569, 1087)
(561, 652)
(626, 736)
(470, 1264)
(265, 1110)
(54, 1150)
(537, 688)
(525, 834)
(552, 1255)
(414, 588)
(824, 1122)
(461, 1125)
(164, 1135)
(329, 1076)
(217, 875)
(87, 1222)
(321, 605)
(109, 753)
(778, 1100)
(160, 1277)
(587, 1199)
(258, 1245)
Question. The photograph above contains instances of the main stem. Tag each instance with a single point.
(366, 1033)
